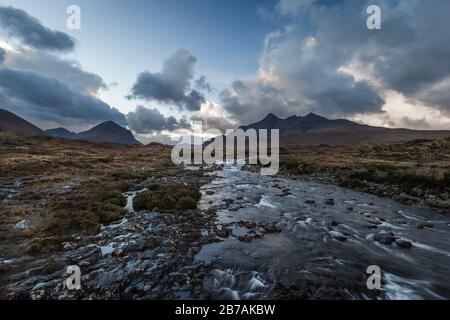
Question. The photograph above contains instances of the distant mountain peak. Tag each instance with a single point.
(60, 132)
(295, 124)
(109, 124)
(108, 131)
(315, 130)
(271, 116)
(312, 115)
(11, 122)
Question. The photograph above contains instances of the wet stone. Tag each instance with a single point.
(386, 239)
(425, 226)
(404, 244)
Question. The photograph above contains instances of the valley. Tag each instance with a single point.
(298, 235)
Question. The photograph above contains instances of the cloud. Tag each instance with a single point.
(158, 137)
(323, 59)
(300, 72)
(203, 84)
(249, 101)
(147, 121)
(410, 54)
(212, 117)
(18, 24)
(2, 55)
(68, 71)
(415, 123)
(47, 98)
(52, 91)
(172, 85)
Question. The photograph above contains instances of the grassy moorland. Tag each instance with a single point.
(62, 187)
(415, 171)
(57, 194)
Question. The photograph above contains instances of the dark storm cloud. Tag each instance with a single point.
(416, 45)
(18, 24)
(2, 55)
(346, 95)
(68, 71)
(300, 71)
(247, 102)
(172, 85)
(146, 121)
(47, 98)
(411, 52)
(309, 62)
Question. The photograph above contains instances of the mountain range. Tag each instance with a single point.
(310, 129)
(105, 132)
(314, 130)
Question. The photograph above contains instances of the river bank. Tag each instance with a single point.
(250, 237)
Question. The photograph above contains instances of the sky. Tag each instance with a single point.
(154, 66)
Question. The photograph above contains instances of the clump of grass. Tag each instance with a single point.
(46, 244)
(296, 167)
(362, 150)
(435, 181)
(352, 183)
(168, 197)
(85, 209)
(105, 160)
(408, 179)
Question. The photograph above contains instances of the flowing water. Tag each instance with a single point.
(329, 236)
(254, 237)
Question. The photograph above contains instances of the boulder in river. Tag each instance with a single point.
(425, 226)
(404, 244)
(385, 238)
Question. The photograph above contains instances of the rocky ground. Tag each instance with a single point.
(415, 172)
(71, 203)
(67, 203)
(146, 255)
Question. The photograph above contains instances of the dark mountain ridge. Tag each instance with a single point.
(310, 129)
(105, 132)
(313, 129)
(11, 122)
(299, 124)
(60, 132)
(108, 132)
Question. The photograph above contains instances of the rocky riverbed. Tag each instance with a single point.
(328, 237)
(252, 237)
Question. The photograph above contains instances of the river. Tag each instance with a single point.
(254, 237)
(329, 236)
